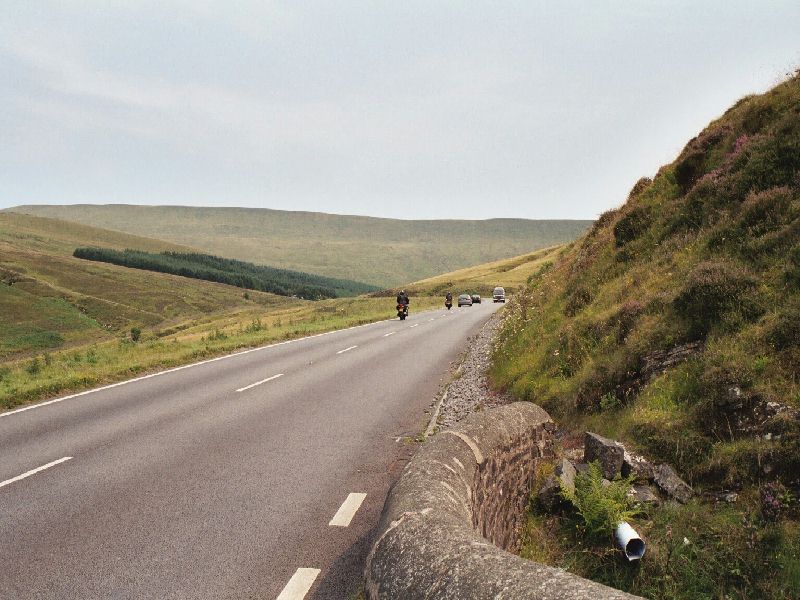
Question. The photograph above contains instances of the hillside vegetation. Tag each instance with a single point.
(382, 252)
(68, 324)
(229, 271)
(510, 273)
(49, 300)
(674, 326)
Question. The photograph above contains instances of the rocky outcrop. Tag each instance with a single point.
(457, 506)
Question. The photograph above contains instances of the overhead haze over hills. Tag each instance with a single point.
(382, 252)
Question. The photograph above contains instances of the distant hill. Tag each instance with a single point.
(510, 273)
(382, 252)
(48, 299)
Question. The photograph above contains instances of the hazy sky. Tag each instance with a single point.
(401, 109)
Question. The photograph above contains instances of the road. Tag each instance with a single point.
(258, 475)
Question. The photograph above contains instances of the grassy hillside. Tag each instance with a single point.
(229, 271)
(674, 326)
(383, 252)
(510, 273)
(68, 324)
(48, 299)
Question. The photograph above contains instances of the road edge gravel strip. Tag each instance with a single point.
(456, 509)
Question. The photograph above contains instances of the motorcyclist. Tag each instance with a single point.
(402, 298)
(448, 297)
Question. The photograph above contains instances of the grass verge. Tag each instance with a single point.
(45, 375)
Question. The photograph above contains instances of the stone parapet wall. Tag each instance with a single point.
(458, 503)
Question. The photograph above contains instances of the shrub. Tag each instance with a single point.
(632, 225)
(136, 334)
(770, 161)
(785, 332)
(639, 187)
(689, 170)
(577, 299)
(712, 290)
(34, 367)
(602, 506)
(626, 318)
(792, 274)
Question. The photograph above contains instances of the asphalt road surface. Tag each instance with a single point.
(257, 475)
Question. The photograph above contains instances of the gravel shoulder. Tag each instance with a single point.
(469, 390)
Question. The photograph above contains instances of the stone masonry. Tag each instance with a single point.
(457, 504)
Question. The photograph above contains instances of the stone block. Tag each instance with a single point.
(673, 486)
(608, 453)
(638, 466)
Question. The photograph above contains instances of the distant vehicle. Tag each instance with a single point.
(464, 300)
(476, 299)
(499, 294)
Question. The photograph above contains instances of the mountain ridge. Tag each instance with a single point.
(375, 250)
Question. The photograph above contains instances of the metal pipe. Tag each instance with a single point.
(629, 541)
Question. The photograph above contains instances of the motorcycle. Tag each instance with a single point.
(402, 311)
(448, 304)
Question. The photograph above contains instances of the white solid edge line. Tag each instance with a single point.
(347, 510)
(182, 367)
(346, 349)
(388, 334)
(34, 471)
(252, 385)
(299, 584)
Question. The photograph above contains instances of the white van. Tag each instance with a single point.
(499, 294)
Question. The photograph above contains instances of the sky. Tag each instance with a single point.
(416, 110)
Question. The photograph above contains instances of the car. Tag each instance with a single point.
(476, 299)
(464, 300)
(499, 294)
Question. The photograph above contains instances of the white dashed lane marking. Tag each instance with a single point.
(346, 350)
(415, 325)
(347, 510)
(299, 584)
(388, 334)
(34, 471)
(252, 385)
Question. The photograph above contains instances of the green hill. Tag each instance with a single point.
(48, 299)
(382, 252)
(229, 271)
(674, 326)
(510, 273)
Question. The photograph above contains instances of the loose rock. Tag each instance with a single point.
(638, 466)
(609, 453)
(643, 494)
(667, 479)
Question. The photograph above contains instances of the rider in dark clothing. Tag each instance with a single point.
(402, 298)
(448, 296)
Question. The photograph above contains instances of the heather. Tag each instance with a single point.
(673, 325)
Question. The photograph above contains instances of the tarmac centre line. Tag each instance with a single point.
(346, 349)
(299, 584)
(34, 471)
(414, 325)
(252, 385)
(388, 334)
(347, 510)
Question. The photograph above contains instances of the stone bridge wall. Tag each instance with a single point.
(458, 506)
